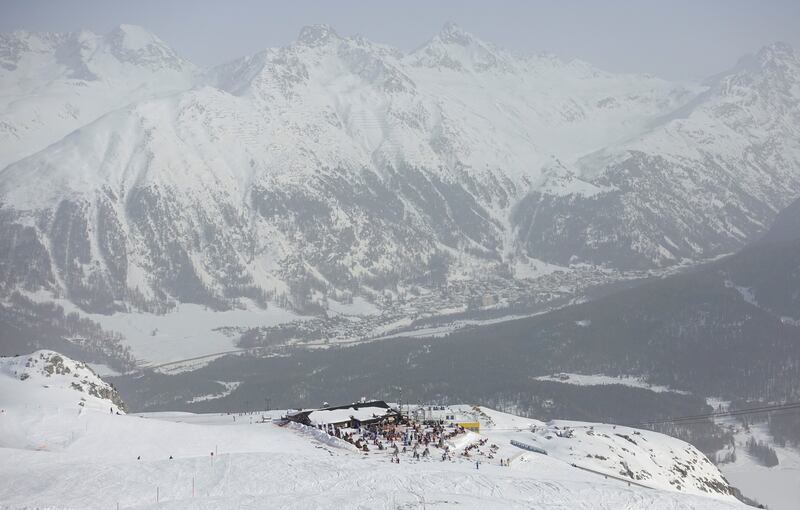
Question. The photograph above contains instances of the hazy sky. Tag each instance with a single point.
(681, 39)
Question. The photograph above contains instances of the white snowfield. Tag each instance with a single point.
(57, 454)
(55, 83)
(602, 380)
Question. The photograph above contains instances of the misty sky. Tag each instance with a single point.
(679, 39)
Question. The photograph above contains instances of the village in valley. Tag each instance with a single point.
(428, 309)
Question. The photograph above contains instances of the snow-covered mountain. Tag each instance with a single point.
(336, 166)
(699, 182)
(52, 377)
(184, 460)
(54, 83)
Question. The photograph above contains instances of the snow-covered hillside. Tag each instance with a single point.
(55, 380)
(54, 83)
(647, 458)
(51, 446)
(699, 182)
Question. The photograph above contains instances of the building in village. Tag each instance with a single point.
(351, 415)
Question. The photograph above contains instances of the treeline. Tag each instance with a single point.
(785, 428)
(706, 436)
(26, 326)
(783, 425)
(762, 452)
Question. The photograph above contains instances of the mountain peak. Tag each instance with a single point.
(454, 34)
(776, 61)
(52, 370)
(317, 35)
(457, 49)
(776, 52)
(778, 47)
(133, 37)
(136, 45)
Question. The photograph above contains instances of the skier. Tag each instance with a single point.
(477, 464)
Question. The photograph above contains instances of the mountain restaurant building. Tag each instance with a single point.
(352, 415)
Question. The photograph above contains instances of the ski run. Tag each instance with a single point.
(67, 442)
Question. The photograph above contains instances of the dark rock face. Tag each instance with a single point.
(350, 229)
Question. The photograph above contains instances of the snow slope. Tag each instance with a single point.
(644, 457)
(55, 380)
(54, 83)
(57, 455)
(695, 184)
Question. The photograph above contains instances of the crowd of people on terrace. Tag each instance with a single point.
(415, 438)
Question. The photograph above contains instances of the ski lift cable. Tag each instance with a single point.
(698, 418)
(721, 414)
